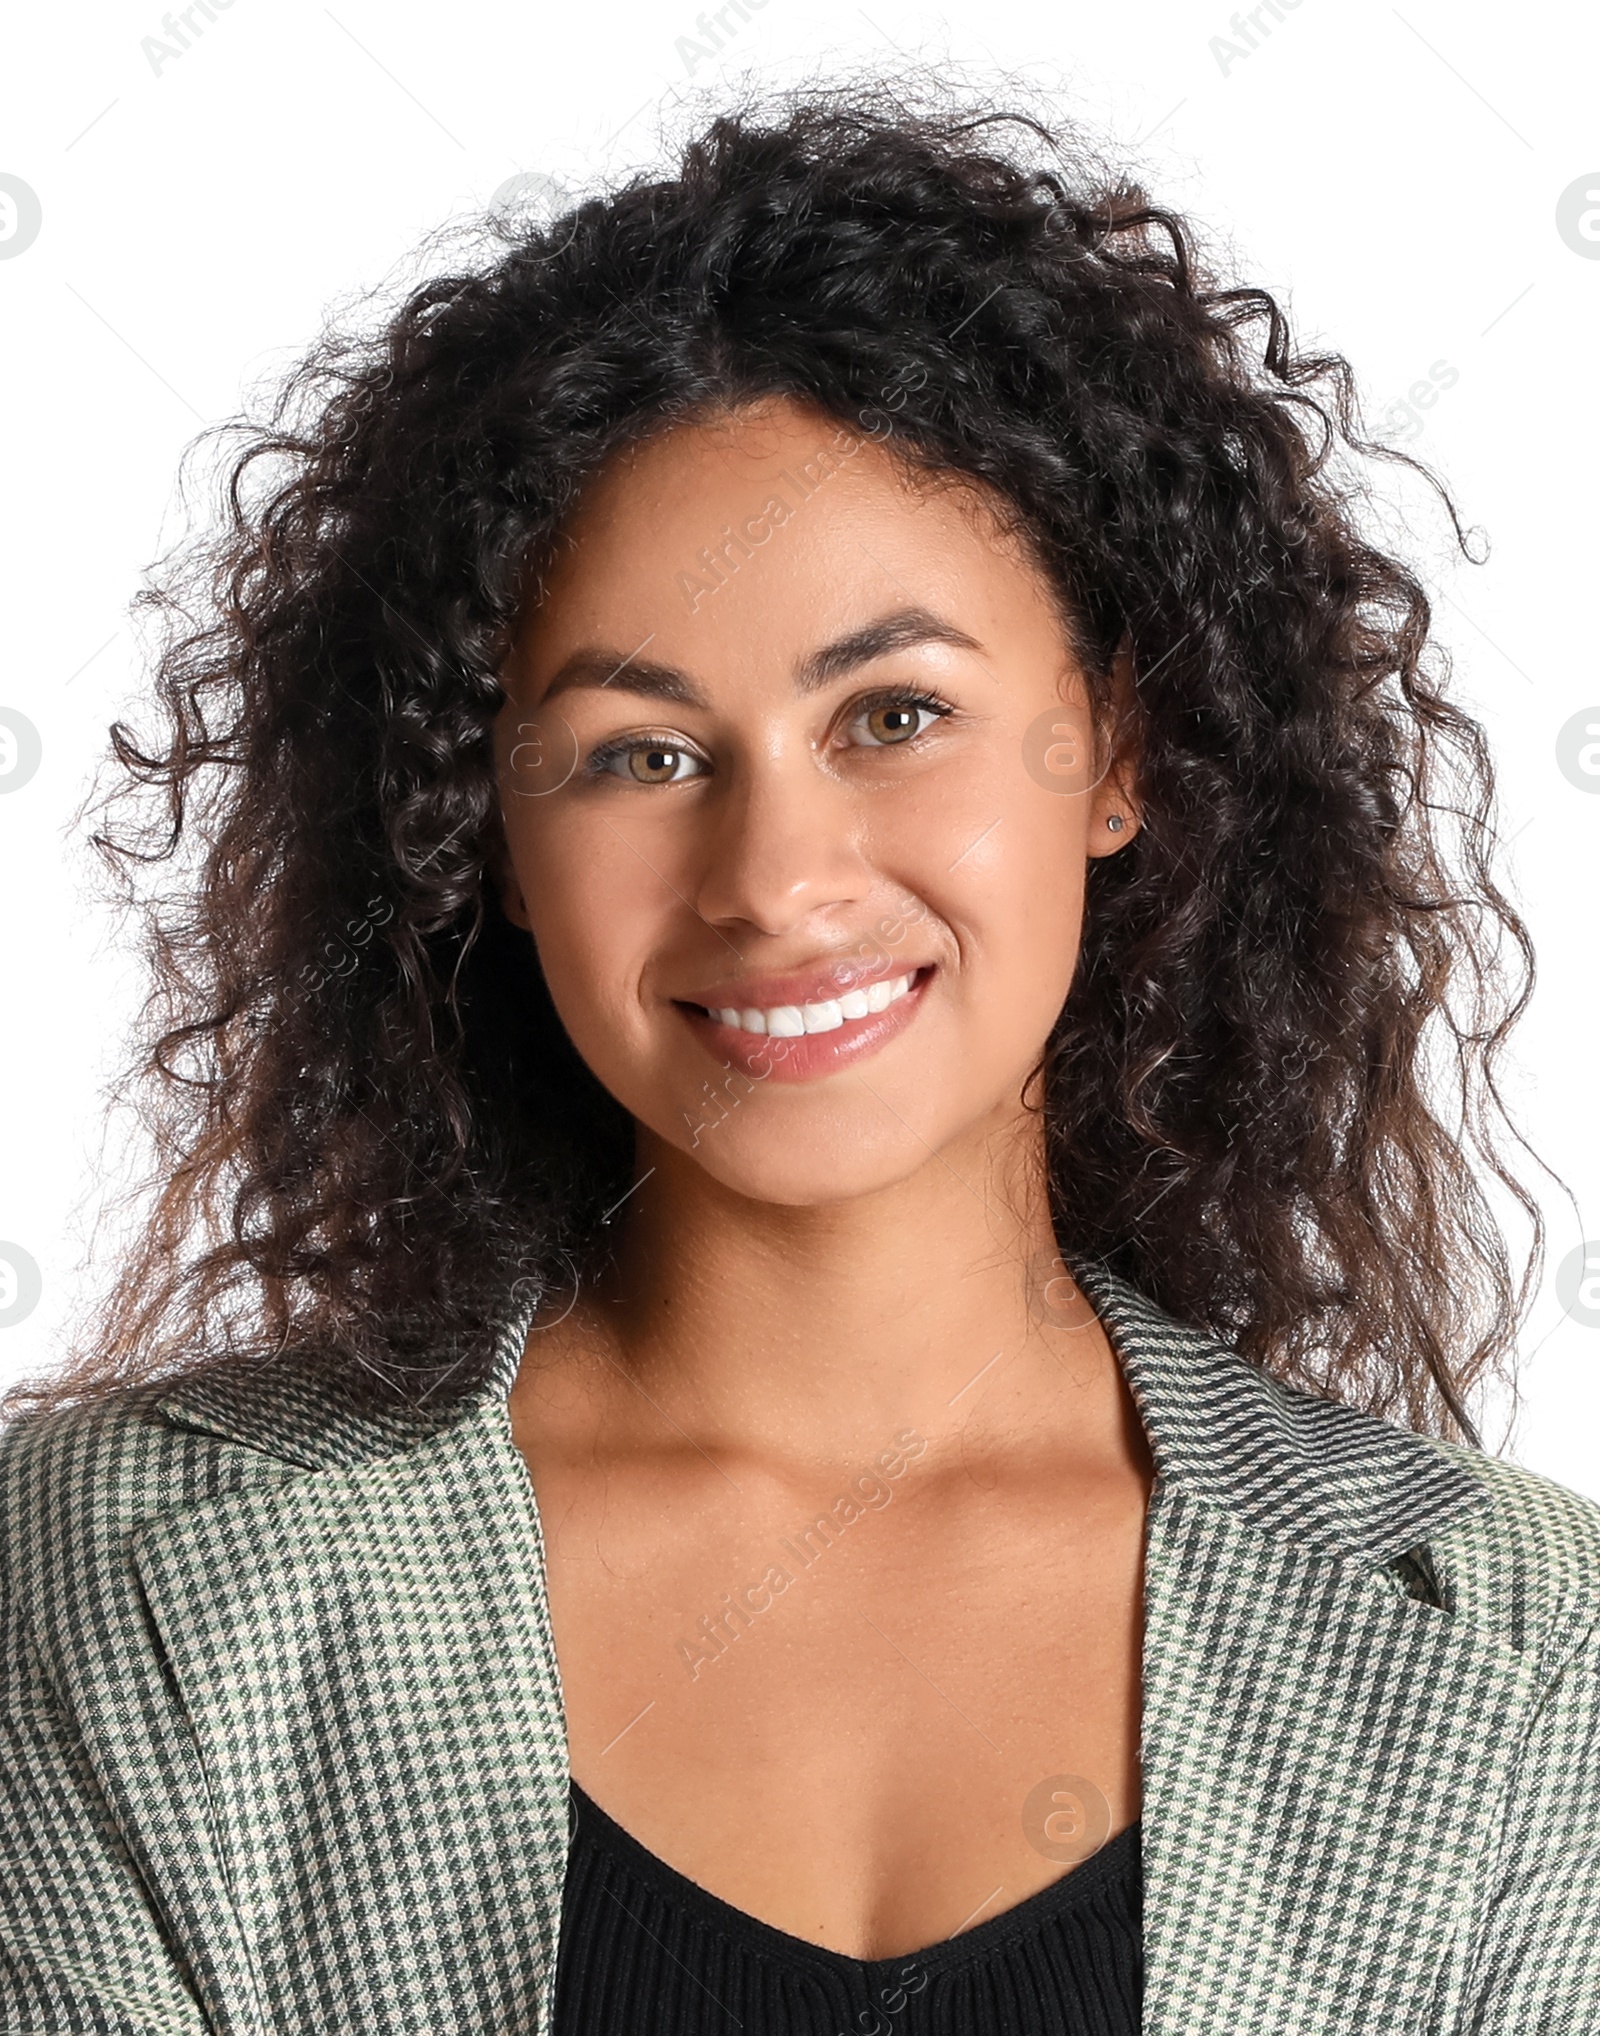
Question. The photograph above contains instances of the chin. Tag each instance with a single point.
(834, 1163)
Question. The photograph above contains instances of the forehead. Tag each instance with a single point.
(776, 516)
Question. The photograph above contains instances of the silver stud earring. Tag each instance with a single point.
(1114, 823)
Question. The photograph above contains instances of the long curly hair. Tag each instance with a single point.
(1270, 1098)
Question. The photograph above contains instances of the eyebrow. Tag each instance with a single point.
(621, 671)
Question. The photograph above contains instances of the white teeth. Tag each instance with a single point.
(793, 1021)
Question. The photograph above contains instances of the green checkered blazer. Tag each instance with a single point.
(284, 1751)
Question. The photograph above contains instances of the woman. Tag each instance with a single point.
(834, 1388)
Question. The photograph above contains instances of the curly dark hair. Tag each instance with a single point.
(370, 1121)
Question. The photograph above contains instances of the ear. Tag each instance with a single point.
(1114, 798)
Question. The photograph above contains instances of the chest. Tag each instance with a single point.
(868, 1716)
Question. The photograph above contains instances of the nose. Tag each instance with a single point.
(783, 842)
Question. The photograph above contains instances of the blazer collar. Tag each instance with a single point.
(1325, 1474)
(287, 1408)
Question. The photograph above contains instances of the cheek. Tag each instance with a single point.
(1032, 926)
(1015, 900)
(596, 914)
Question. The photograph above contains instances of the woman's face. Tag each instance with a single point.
(796, 772)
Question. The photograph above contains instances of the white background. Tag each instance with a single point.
(1393, 175)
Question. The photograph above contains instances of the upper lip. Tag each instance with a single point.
(819, 984)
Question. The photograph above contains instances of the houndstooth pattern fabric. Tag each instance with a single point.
(282, 1747)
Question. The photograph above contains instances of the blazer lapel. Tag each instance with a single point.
(1324, 1755)
(364, 1654)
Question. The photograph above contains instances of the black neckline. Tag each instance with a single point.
(1117, 1857)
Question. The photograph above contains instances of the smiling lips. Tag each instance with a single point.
(793, 1033)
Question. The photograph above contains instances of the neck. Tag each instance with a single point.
(814, 1334)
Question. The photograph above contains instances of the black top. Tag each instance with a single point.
(647, 1952)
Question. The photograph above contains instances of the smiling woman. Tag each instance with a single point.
(847, 728)
(896, 869)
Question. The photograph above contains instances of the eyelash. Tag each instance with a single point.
(622, 745)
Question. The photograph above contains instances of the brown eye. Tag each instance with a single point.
(893, 724)
(655, 764)
(645, 760)
(888, 723)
